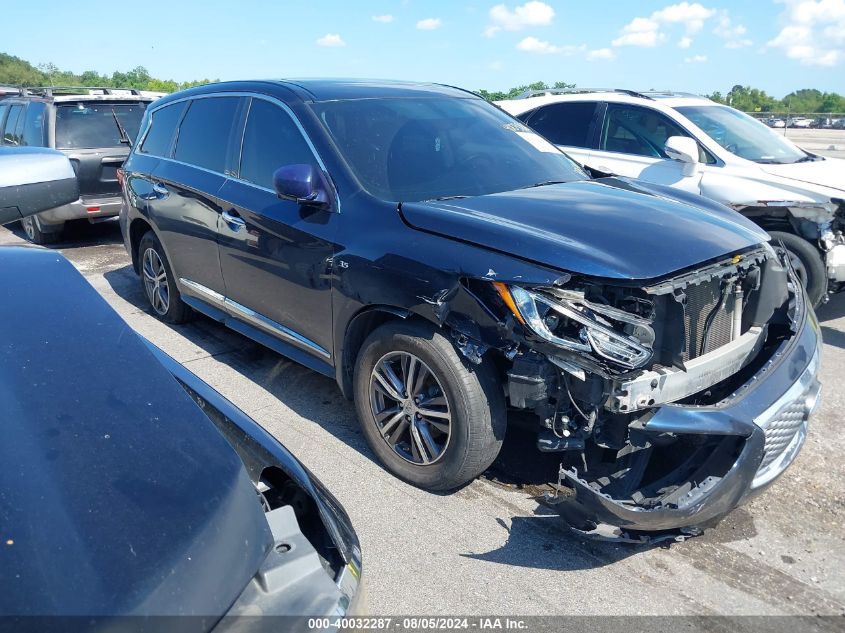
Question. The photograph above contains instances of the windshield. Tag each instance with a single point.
(409, 149)
(91, 125)
(743, 135)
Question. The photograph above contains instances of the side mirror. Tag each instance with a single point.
(34, 179)
(682, 148)
(303, 184)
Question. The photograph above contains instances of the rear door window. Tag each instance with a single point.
(271, 140)
(205, 132)
(162, 130)
(4, 107)
(10, 135)
(568, 124)
(89, 125)
(34, 130)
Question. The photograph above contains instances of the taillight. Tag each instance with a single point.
(93, 209)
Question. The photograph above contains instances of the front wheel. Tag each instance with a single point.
(433, 420)
(807, 262)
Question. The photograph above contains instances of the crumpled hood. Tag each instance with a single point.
(829, 172)
(612, 227)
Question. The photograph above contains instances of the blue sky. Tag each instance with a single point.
(777, 45)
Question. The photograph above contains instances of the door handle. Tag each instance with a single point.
(160, 189)
(233, 220)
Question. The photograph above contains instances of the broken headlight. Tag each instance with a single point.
(567, 319)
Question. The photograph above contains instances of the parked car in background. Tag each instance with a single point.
(440, 260)
(696, 145)
(800, 122)
(93, 127)
(775, 122)
(148, 492)
(823, 123)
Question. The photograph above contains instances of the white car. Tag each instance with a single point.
(694, 144)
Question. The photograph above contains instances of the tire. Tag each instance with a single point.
(158, 283)
(32, 229)
(808, 263)
(474, 403)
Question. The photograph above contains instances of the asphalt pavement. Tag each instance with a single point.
(492, 547)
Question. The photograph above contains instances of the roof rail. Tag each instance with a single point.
(49, 91)
(570, 91)
(668, 93)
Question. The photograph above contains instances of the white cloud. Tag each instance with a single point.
(429, 24)
(646, 31)
(685, 42)
(692, 16)
(533, 45)
(529, 14)
(332, 40)
(601, 54)
(384, 19)
(696, 59)
(639, 32)
(733, 34)
(814, 32)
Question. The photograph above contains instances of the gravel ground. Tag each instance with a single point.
(491, 548)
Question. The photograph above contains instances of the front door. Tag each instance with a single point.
(275, 254)
(631, 143)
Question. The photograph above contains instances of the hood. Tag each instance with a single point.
(118, 496)
(828, 172)
(612, 227)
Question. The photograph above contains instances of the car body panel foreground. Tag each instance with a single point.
(618, 312)
(120, 498)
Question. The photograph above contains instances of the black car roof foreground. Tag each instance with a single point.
(148, 493)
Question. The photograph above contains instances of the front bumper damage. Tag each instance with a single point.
(753, 436)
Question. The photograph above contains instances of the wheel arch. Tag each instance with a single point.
(357, 330)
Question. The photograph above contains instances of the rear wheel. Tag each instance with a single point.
(32, 229)
(807, 262)
(432, 419)
(158, 282)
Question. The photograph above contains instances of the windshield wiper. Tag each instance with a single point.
(124, 137)
(455, 197)
(544, 183)
(809, 158)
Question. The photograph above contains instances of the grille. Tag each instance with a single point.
(701, 300)
(782, 429)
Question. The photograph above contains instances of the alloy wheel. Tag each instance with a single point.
(155, 281)
(29, 227)
(410, 408)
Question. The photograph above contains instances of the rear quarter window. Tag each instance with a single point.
(34, 128)
(162, 130)
(11, 133)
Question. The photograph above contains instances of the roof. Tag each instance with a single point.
(332, 89)
(667, 99)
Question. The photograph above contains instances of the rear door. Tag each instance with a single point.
(631, 143)
(275, 253)
(185, 207)
(570, 125)
(86, 132)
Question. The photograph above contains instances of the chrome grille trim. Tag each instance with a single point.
(785, 424)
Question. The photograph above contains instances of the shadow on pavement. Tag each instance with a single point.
(79, 234)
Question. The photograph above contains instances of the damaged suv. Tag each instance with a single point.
(443, 262)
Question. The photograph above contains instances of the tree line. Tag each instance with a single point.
(18, 72)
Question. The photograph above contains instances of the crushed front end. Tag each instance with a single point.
(670, 402)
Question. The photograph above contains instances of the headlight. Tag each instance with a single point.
(568, 320)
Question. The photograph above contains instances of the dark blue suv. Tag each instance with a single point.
(443, 262)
